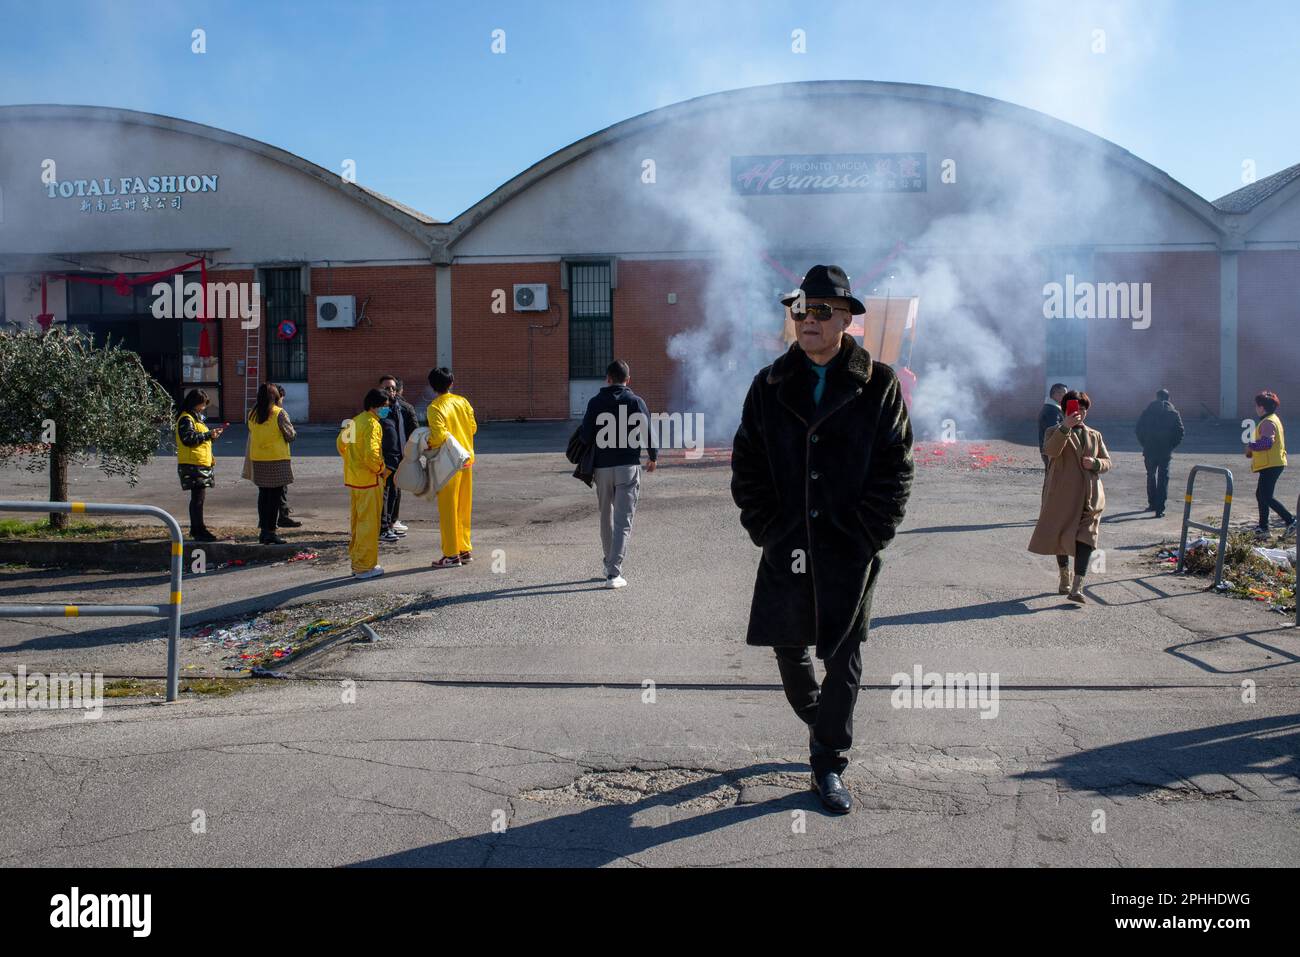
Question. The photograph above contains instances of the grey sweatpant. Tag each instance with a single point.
(617, 491)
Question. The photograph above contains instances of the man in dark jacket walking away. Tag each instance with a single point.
(618, 424)
(1049, 417)
(1159, 430)
(821, 470)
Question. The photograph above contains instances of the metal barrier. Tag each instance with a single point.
(1222, 531)
(171, 611)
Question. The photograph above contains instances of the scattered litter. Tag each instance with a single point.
(370, 634)
(1284, 557)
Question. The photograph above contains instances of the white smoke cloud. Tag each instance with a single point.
(976, 324)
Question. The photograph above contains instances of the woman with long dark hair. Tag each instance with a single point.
(194, 462)
(1073, 498)
(269, 467)
(1267, 454)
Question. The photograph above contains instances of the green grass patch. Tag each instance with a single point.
(18, 528)
(156, 688)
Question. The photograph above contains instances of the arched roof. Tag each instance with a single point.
(1155, 178)
(412, 221)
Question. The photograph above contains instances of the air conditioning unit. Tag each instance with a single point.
(530, 297)
(336, 312)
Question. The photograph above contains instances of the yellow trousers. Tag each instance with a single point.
(363, 546)
(455, 503)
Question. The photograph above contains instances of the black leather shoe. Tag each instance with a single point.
(835, 796)
(272, 540)
(286, 522)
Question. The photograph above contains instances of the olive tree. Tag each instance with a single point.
(62, 398)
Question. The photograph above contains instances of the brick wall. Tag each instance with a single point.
(490, 351)
(1268, 323)
(397, 337)
(1180, 350)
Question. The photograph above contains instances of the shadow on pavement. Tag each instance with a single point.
(965, 528)
(1136, 768)
(604, 834)
(1186, 651)
(981, 612)
(123, 634)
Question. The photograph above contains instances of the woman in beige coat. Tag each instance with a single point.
(1073, 498)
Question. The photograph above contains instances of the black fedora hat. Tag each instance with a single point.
(827, 282)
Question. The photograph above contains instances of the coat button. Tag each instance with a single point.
(813, 513)
(814, 475)
(813, 439)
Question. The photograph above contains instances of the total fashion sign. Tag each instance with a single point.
(129, 194)
(128, 185)
(828, 173)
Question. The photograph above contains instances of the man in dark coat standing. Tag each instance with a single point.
(1159, 430)
(1050, 416)
(821, 471)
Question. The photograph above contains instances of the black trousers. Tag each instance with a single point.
(1264, 496)
(392, 502)
(1157, 480)
(268, 509)
(197, 497)
(827, 710)
(284, 502)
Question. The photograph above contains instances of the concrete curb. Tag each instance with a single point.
(117, 554)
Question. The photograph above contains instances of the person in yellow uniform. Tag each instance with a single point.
(1267, 454)
(194, 459)
(364, 473)
(451, 414)
(269, 465)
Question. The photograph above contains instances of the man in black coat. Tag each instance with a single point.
(1159, 430)
(1049, 417)
(402, 414)
(821, 471)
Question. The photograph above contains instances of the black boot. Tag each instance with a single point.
(285, 521)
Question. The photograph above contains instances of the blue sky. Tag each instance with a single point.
(412, 92)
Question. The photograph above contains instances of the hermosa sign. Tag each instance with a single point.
(128, 185)
(828, 173)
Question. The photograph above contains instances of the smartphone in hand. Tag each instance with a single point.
(1072, 407)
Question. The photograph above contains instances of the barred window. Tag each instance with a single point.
(286, 359)
(591, 320)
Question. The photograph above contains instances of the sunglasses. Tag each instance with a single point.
(821, 311)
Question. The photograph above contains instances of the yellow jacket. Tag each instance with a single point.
(451, 414)
(363, 457)
(193, 454)
(1275, 455)
(266, 441)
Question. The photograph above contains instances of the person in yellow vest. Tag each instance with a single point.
(451, 414)
(270, 469)
(360, 442)
(194, 459)
(1267, 454)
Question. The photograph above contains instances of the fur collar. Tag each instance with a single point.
(852, 358)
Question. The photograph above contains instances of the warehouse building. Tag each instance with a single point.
(1022, 251)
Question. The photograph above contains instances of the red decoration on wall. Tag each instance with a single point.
(123, 285)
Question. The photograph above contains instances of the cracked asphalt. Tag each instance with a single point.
(521, 716)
